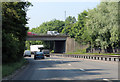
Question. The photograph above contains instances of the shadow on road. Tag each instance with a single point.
(54, 68)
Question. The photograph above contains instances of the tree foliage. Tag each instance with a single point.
(103, 25)
(79, 27)
(69, 21)
(53, 25)
(13, 30)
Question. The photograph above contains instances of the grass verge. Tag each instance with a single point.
(92, 53)
(83, 51)
(8, 69)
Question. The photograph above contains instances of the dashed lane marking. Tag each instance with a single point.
(82, 69)
(107, 80)
(69, 64)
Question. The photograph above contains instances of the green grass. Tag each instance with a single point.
(8, 69)
(83, 51)
(92, 53)
(80, 51)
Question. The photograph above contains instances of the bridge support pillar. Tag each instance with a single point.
(59, 46)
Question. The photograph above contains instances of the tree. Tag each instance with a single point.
(69, 21)
(77, 28)
(103, 24)
(13, 30)
(53, 25)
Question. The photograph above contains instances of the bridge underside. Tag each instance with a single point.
(59, 41)
(59, 46)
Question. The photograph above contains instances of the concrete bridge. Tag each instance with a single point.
(62, 43)
(47, 37)
(59, 41)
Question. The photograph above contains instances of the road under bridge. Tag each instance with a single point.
(59, 41)
(62, 43)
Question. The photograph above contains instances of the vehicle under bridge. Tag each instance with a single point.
(62, 43)
(59, 41)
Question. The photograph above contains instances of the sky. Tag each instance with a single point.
(45, 11)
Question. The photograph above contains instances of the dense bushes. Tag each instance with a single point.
(13, 30)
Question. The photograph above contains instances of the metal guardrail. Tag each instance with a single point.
(94, 57)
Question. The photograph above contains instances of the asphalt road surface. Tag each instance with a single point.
(63, 68)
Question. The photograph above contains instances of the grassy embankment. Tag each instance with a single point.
(83, 51)
(8, 69)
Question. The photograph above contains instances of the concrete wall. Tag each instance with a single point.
(72, 45)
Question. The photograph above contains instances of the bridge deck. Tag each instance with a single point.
(47, 37)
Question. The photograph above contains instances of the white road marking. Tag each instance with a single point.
(57, 68)
(69, 64)
(107, 80)
(82, 69)
(49, 59)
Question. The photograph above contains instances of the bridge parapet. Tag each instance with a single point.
(47, 37)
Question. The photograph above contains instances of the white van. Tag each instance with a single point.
(52, 33)
(27, 53)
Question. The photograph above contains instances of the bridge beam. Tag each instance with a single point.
(46, 38)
